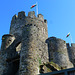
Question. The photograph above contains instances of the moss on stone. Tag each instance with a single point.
(60, 52)
(48, 70)
(54, 65)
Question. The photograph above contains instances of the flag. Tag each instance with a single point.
(68, 34)
(32, 6)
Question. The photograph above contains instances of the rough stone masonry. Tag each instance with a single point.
(27, 47)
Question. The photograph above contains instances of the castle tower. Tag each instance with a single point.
(7, 41)
(72, 50)
(6, 53)
(17, 23)
(58, 52)
(33, 31)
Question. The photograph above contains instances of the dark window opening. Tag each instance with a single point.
(45, 20)
(9, 40)
(13, 66)
(30, 24)
(34, 25)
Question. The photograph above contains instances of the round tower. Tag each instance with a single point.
(58, 52)
(34, 50)
(7, 40)
(72, 49)
(18, 22)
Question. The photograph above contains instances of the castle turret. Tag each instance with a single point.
(72, 52)
(18, 22)
(7, 41)
(58, 52)
(34, 50)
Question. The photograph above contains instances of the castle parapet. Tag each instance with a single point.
(18, 22)
(72, 44)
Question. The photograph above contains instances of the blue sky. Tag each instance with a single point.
(60, 15)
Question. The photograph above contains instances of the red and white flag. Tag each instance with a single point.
(67, 34)
(33, 6)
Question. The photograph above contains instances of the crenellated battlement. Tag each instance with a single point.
(72, 44)
(31, 14)
(72, 48)
(21, 15)
(18, 22)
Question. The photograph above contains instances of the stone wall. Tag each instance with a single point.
(58, 52)
(71, 52)
(7, 40)
(21, 21)
(34, 50)
(18, 22)
(28, 58)
(8, 54)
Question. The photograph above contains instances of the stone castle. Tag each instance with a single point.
(27, 50)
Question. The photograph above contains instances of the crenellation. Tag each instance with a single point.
(40, 16)
(68, 45)
(14, 17)
(21, 15)
(72, 44)
(31, 14)
(73, 53)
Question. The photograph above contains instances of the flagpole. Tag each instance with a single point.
(36, 8)
(71, 38)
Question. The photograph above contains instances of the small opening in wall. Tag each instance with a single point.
(9, 40)
(38, 28)
(30, 24)
(45, 20)
(41, 69)
(34, 25)
(31, 34)
(39, 49)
